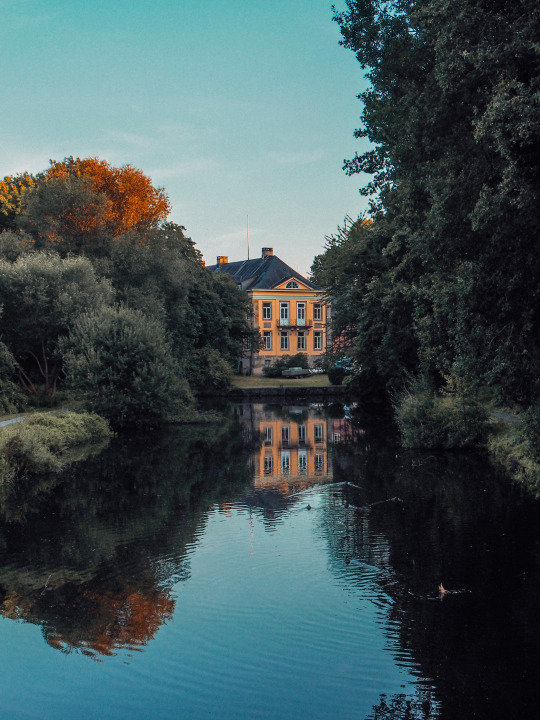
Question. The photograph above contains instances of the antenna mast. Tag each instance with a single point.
(247, 216)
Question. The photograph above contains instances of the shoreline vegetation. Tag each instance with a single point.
(46, 442)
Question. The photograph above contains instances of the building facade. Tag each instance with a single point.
(288, 310)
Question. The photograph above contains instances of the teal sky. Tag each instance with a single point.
(236, 107)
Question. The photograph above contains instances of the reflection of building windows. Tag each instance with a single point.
(336, 437)
(284, 311)
(302, 461)
(284, 337)
(267, 340)
(285, 434)
(268, 464)
(317, 311)
(285, 461)
(319, 461)
(317, 340)
(301, 340)
(301, 312)
(301, 433)
(268, 435)
(267, 311)
(319, 433)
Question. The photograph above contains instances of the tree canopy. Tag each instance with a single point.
(84, 237)
(451, 112)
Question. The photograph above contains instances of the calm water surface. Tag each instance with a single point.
(284, 563)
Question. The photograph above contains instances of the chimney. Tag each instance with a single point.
(267, 252)
(222, 259)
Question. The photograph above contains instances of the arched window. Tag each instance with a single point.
(292, 285)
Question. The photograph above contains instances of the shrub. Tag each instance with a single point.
(121, 361)
(11, 397)
(40, 443)
(428, 419)
(283, 363)
(209, 371)
(336, 375)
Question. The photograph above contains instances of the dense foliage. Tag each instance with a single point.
(87, 259)
(445, 280)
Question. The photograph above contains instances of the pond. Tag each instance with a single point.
(283, 563)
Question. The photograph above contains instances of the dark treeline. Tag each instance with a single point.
(442, 280)
(101, 295)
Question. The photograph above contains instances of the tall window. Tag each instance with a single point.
(285, 434)
(301, 341)
(302, 461)
(301, 433)
(267, 311)
(319, 461)
(285, 461)
(268, 464)
(317, 311)
(319, 433)
(268, 435)
(301, 312)
(267, 340)
(284, 311)
(284, 336)
(317, 340)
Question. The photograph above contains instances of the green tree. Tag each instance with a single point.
(42, 294)
(452, 114)
(122, 361)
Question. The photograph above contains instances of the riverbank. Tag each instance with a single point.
(47, 442)
(258, 387)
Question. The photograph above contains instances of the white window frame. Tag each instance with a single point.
(268, 435)
(319, 462)
(266, 311)
(285, 434)
(317, 340)
(267, 340)
(301, 340)
(302, 461)
(302, 434)
(317, 311)
(284, 340)
(301, 311)
(285, 462)
(283, 310)
(318, 433)
(268, 464)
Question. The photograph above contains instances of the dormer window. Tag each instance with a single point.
(292, 285)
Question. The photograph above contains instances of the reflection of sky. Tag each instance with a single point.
(267, 625)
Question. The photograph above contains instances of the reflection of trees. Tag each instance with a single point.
(460, 525)
(95, 555)
(401, 707)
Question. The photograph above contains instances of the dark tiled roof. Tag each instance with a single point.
(261, 274)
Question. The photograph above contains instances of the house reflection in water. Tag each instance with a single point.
(294, 443)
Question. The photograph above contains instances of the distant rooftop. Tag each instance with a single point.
(264, 273)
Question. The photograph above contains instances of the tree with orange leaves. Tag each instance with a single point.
(134, 203)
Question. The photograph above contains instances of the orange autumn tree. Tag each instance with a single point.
(12, 188)
(134, 203)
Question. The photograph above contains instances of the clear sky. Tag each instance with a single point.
(236, 107)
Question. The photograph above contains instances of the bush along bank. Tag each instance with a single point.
(451, 418)
(47, 442)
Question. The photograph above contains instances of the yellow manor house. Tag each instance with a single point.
(288, 310)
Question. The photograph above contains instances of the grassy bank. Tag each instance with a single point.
(248, 382)
(508, 447)
(47, 442)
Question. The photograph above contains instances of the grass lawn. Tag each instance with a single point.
(259, 381)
